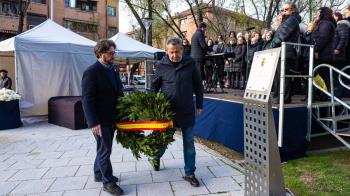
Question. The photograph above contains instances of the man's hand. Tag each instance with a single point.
(336, 51)
(199, 111)
(96, 130)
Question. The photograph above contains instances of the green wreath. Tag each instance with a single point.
(142, 106)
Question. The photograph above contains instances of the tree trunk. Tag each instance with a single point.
(23, 5)
(150, 13)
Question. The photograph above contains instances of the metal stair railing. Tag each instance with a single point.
(335, 101)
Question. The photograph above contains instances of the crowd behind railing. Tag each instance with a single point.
(226, 64)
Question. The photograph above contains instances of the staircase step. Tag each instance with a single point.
(347, 133)
(329, 103)
(336, 118)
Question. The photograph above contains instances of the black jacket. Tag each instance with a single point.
(252, 49)
(178, 82)
(218, 49)
(323, 38)
(288, 31)
(100, 94)
(229, 51)
(240, 57)
(186, 50)
(5, 83)
(198, 46)
(266, 45)
(341, 39)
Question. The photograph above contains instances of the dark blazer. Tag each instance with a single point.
(178, 82)
(198, 46)
(100, 91)
(5, 83)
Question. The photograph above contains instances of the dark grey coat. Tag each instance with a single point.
(288, 31)
(198, 46)
(341, 39)
(178, 82)
(323, 37)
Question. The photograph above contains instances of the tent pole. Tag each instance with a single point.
(16, 71)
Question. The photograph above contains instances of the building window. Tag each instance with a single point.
(70, 3)
(87, 6)
(9, 8)
(182, 21)
(112, 31)
(111, 11)
(80, 27)
(38, 1)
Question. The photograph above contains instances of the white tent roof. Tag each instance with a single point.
(50, 61)
(130, 48)
(47, 32)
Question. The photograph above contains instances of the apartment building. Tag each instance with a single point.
(94, 19)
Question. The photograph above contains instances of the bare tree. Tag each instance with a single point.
(22, 11)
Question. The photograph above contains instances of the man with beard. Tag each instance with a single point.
(288, 31)
(101, 87)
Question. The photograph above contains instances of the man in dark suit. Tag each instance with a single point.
(101, 87)
(199, 48)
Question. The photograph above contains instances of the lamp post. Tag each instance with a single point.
(147, 22)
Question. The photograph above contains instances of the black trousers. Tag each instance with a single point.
(200, 67)
(103, 165)
(288, 91)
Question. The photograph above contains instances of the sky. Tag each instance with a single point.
(126, 19)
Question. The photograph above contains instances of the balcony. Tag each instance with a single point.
(38, 8)
(9, 23)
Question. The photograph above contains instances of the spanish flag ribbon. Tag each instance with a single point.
(145, 125)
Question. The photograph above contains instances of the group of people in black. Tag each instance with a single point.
(228, 63)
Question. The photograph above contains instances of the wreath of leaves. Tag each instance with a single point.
(140, 106)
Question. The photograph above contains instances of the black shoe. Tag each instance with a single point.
(112, 188)
(99, 179)
(155, 164)
(192, 180)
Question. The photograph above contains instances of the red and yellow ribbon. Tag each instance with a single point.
(145, 125)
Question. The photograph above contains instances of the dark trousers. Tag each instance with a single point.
(288, 91)
(200, 66)
(103, 165)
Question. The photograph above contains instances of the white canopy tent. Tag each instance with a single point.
(129, 48)
(50, 61)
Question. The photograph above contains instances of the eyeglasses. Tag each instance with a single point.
(110, 53)
(286, 9)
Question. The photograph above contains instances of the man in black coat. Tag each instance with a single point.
(177, 77)
(199, 48)
(5, 81)
(101, 87)
(288, 31)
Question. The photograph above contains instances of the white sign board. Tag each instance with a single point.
(262, 74)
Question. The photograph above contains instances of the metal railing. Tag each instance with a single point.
(334, 100)
(282, 90)
(331, 93)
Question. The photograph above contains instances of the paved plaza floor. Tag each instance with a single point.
(45, 159)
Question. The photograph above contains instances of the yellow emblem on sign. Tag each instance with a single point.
(263, 61)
